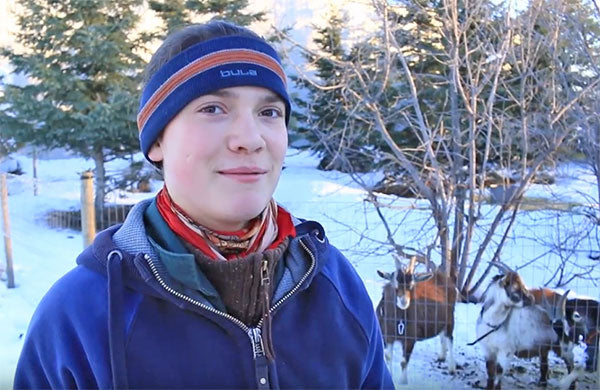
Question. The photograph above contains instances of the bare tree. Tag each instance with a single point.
(578, 231)
(505, 100)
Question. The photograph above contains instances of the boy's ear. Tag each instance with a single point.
(155, 153)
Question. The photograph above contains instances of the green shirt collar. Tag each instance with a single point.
(179, 263)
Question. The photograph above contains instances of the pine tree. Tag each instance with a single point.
(330, 119)
(80, 59)
(174, 13)
(322, 111)
(177, 13)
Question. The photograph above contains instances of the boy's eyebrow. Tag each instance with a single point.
(272, 98)
(269, 97)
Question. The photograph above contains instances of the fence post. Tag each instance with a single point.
(88, 218)
(6, 227)
(35, 177)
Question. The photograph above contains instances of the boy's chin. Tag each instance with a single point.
(247, 212)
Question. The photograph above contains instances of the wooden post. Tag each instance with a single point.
(6, 227)
(88, 218)
(35, 178)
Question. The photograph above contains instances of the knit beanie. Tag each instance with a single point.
(228, 61)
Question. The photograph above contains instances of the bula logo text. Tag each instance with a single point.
(238, 72)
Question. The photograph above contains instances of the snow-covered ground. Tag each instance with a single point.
(42, 254)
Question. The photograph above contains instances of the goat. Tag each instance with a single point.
(510, 323)
(415, 307)
(588, 312)
(568, 326)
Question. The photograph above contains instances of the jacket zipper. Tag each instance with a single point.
(257, 343)
(191, 300)
(253, 333)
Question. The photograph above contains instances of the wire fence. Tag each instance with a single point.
(110, 215)
(416, 309)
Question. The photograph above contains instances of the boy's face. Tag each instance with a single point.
(222, 155)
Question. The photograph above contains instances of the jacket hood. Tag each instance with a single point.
(103, 252)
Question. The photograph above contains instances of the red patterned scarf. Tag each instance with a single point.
(266, 231)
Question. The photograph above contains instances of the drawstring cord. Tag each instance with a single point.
(116, 322)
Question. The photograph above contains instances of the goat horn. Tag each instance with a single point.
(501, 266)
(397, 262)
(562, 304)
(545, 302)
(411, 264)
(550, 308)
(431, 265)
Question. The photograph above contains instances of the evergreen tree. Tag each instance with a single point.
(330, 119)
(534, 83)
(422, 32)
(174, 13)
(80, 59)
(177, 13)
(322, 111)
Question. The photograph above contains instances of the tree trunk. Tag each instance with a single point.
(457, 163)
(35, 176)
(99, 173)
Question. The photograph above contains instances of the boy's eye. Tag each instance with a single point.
(271, 112)
(212, 109)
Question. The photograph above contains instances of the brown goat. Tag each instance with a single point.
(587, 313)
(415, 307)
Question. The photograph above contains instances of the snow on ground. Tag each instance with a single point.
(42, 254)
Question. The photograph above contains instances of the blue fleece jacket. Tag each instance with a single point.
(118, 320)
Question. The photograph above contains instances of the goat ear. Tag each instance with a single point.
(385, 275)
(503, 280)
(499, 276)
(422, 277)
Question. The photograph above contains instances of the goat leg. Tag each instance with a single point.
(408, 343)
(446, 345)
(493, 369)
(443, 347)
(448, 334)
(544, 365)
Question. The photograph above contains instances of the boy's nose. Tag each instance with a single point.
(245, 134)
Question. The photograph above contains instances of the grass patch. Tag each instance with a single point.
(537, 204)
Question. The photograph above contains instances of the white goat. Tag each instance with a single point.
(511, 324)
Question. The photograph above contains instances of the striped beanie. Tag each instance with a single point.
(229, 61)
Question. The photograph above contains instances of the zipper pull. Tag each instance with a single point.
(260, 360)
(264, 273)
(257, 343)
